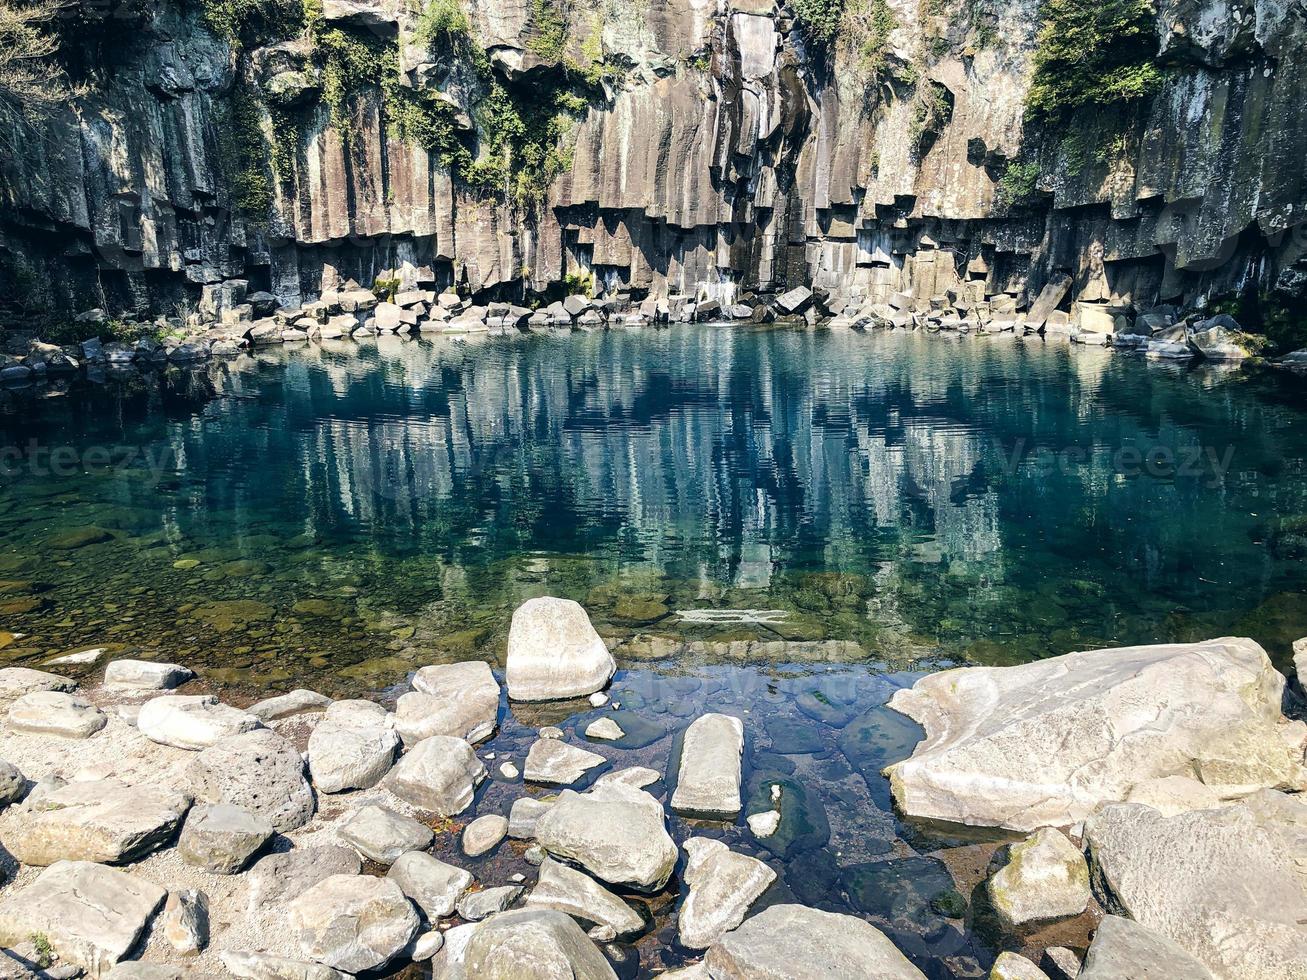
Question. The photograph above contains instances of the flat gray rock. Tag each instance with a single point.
(382, 835)
(297, 702)
(637, 777)
(351, 748)
(194, 721)
(461, 700)
(221, 838)
(723, 885)
(524, 816)
(484, 834)
(353, 922)
(55, 713)
(557, 763)
(1046, 877)
(709, 777)
(17, 681)
(439, 774)
(616, 833)
(793, 942)
(277, 878)
(477, 905)
(144, 675)
(528, 943)
(554, 652)
(93, 915)
(265, 966)
(605, 730)
(259, 771)
(99, 820)
(571, 891)
(1124, 950)
(434, 886)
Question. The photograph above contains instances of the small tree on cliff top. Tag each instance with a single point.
(30, 81)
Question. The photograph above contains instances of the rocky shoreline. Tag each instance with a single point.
(152, 831)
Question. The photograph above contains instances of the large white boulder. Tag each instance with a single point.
(439, 774)
(723, 884)
(353, 922)
(461, 700)
(1046, 877)
(1048, 743)
(144, 675)
(617, 833)
(192, 721)
(352, 747)
(533, 944)
(1229, 885)
(708, 780)
(554, 652)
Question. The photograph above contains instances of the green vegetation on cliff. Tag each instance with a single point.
(1093, 54)
(233, 19)
(819, 19)
(30, 81)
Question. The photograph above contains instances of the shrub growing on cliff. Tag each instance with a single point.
(819, 19)
(1017, 188)
(30, 81)
(231, 19)
(1093, 53)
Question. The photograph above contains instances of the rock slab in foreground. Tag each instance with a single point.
(91, 914)
(708, 780)
(536, 944)
(1048, 743)
(616, 833)
(1229, 885)
(353, 922)
(554, 652)
(1124, 948)
(723, 885)
(793, 942)
(1046, 877)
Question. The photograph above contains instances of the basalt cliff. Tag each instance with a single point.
(652, 148)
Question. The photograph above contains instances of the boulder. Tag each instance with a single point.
(1049, 299)
(258, 770)
(555, 762)
(1061, 963)
(723, 885)
(477, 905)
(524, 817)
(484, 834)
(708, 779)
(794, 301)
(1227, 884)
(98, 820)
(1300, 661)
(351, 747)
(604, 730)
(580, 896)
(637, 777)
(266, 966)
(576, 304)
(1012, 966)
(194, 721)
(461, 700)
(17, 681)
(144, 675)
(13, 786)
(1124, 950)
(382, 835)
(221, 838)
(277, 878)
(297, 702)
(439, 774)
(1046, 877)
(92, 915)
(792, 942)
(1221, 339)
(554, 652)
(433, 886)
(532, 944)
(1047, 743)
(353, 922)
(55, 713)
(616, 833)
(185, 921)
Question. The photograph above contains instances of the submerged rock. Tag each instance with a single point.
(1122, 948)
(723, 885)
(1047, 743)
(554, 652)
(708, 779)
(1046, 877)
(439, 774)
(353, 922)
(535, 943)
(616, 833)
(555, 762)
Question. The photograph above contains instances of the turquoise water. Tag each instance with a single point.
(780, 524)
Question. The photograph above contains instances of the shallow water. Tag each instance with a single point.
(836, 512)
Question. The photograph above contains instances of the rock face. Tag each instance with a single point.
(1046, 877)
(616, 833)
(533, 943)
(1123, 948)
(567, 890)
(351, 748)
(192, 721)
(439, 774)
(723, 885)
(461, 700)
(259, 771)
(55, 713)
(791, 942)
(708, 781)
(99, 820)
(554, 652)
(352, 922)
(552, 761)
(222, 838)
(91, 914)
(1223, 884)
(1047, 743)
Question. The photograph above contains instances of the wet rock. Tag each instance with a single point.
(352, 747)
(439, 774)
(192, 721)
(554, 652)
(524, 817)
(477, 905)
(382, 835)
(353, 922)
(557, 763)
(708, 780)
(637, 777)
(614, 832)
(434, 886)
(803, 824)
(144, 675)
(266, 966)
(723, 885)
(605, 730)
(1046, 877)
(296, 702)
(277, 878)
(98, 820)
(221, 838)
(1122, 948)
(580, 896)
(18, 681)
(55, 713)
(185, 921)
(484, 834)
(1221, 339)
(91, 914)
(1236, 871)
(259, 771)
(792, 942)
(535, 943)
(1047, 743)
(1011, 966)
(461, 700)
